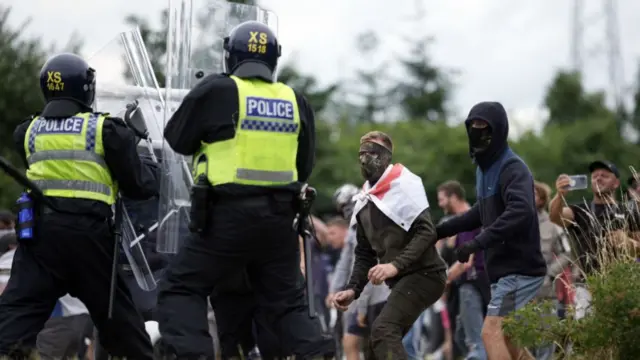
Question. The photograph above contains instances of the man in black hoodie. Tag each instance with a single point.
(506, 211)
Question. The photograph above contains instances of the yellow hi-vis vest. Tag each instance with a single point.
(264, 148)
(66, 158)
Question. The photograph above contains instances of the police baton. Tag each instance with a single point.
(117, 233)
(306, 198)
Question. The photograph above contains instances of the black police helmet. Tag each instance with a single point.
(67, 77)
(251, 51)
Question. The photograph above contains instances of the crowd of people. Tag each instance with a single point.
(449, 329)
(452, 327)
(387, 281)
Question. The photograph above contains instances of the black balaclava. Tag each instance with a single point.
(374, 160)
(487, 144)
(479, 139)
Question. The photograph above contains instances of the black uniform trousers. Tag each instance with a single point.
(241, 327)
(252, 233)
(240, 322)
(72, 254)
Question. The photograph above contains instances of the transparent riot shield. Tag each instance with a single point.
(126, 87)
(197, 29)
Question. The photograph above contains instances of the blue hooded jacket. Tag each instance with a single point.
(505, 207)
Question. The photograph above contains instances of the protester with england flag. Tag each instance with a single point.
(510, 236)
(395, 244)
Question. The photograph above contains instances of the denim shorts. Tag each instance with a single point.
(352, 327)
(372, 313)
(512, 292)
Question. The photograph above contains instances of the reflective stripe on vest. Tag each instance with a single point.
(264, 148)
(66, 158)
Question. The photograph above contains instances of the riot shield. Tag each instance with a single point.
(197, 29)
(126, 87)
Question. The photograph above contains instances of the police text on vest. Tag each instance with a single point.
(269, 108)
(60, 126)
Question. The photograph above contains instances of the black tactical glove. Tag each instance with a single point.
(464, 251)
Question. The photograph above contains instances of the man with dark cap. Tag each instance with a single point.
(587, 221)
(506, 211)
(578, 218)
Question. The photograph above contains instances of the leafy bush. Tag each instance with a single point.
(611, 328)
(610, 331)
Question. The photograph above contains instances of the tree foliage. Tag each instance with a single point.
(21, 59)
(568, 102)
(20, 62)
(319, 97)
(425, 90)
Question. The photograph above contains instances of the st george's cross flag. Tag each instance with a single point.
(399, 194)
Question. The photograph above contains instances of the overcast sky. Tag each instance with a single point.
(505, 50)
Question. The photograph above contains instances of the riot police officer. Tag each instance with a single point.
(80, 159)
(252, 141)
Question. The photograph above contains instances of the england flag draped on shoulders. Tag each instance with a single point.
(399, 194)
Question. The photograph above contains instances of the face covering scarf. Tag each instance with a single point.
(374, 159)
(479, 139)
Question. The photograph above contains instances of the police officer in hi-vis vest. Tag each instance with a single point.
(253, 142)
(80, 159)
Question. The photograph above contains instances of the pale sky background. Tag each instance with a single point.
(505, 50)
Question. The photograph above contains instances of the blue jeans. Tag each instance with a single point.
(471, 319)
(411, 340)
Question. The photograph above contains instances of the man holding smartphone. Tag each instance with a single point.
(586, 222)
(579, 218)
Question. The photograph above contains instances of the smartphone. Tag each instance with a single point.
(578, 182)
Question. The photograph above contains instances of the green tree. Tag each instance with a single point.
(319, 97)
(425, 89)
(568, 102)
(20, 61)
